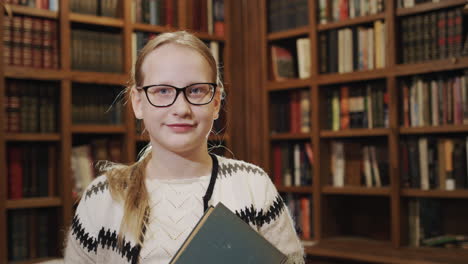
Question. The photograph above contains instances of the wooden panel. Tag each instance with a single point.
(36, 12)
(434, 129)
(149, 28)
(295, 189)
(291, 33)
(98, 129)
(34, 203)
(32, 137)
(382, 252)
(425, 7)
(353, 190)
(351, 22)
(460, 194)
(356, 132)
(96, 20)
(3, 157)
(431, 66)
(33, 73)
(335, 78)
(100, 78)
(290, 136)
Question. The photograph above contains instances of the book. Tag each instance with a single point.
(222, 237)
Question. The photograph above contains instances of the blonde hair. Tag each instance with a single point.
(127, 183)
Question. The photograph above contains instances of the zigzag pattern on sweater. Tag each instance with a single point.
(250, 214)
(108, 239)
(227, 169)
(88, 242)
(98, 187)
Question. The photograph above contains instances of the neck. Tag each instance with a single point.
(165, 164)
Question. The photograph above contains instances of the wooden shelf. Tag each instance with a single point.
(350, 22)
(462, 194)
(295, 189)
(32, 137)
(357, 190)
(419, 8)
(373, 251)
(98, 129)
(434, 129)
(98, 77)
(207, 36)
(291, 33)
(431, 66)
(290, 84)
(290, 136)
(34, 73)
(334, 78)
(151, 28)
(28, 11)
(96, 20)
(36, 260)
(355, 132)
(34, 202)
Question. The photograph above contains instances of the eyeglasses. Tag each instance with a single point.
(163, 95)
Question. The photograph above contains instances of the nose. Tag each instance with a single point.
(181, 106)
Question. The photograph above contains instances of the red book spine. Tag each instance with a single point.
(344, 107)
(15, 173)
(170, 12)
(305, 218)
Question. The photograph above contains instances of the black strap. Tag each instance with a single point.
(209, 191)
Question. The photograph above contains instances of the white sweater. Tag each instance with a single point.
(244, 188)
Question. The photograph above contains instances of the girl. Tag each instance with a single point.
(143, 212)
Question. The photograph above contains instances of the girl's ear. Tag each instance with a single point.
(217, 104)
(136, 102)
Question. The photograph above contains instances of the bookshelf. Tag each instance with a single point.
(357, 223)
(60, 203)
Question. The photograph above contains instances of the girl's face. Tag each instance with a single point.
(181, 127)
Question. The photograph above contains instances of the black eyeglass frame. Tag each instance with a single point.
(178, 90)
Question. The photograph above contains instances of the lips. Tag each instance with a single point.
(181, 127)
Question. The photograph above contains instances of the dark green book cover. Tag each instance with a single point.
(222, 237)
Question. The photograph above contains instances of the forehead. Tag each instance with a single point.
(175, 64)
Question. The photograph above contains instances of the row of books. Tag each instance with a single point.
(108, 8)
(431, 36)
(52, 5)
(412, 3)
(434, 163)
(32, 170)
(290, 63)
(435, 100)
(339, 10)
(30, 42)
(293, 164)
(357, 107)
(96, 51)
(31, 234)
(352, 49)
(207, 16)
(355, 164)
(290, 112)
(96, 104)
(85, 157)
(300, 208)
(155, 12)
(287, 14)
(31, 108)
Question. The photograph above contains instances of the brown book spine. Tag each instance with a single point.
(7, 40)
(37, 42)
(17, 40)
(442, 34)
(47, 59)
(27, 41)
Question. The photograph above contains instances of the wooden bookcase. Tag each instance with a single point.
(354, 223)
(65, 76)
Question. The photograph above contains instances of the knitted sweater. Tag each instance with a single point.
(244, 188)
